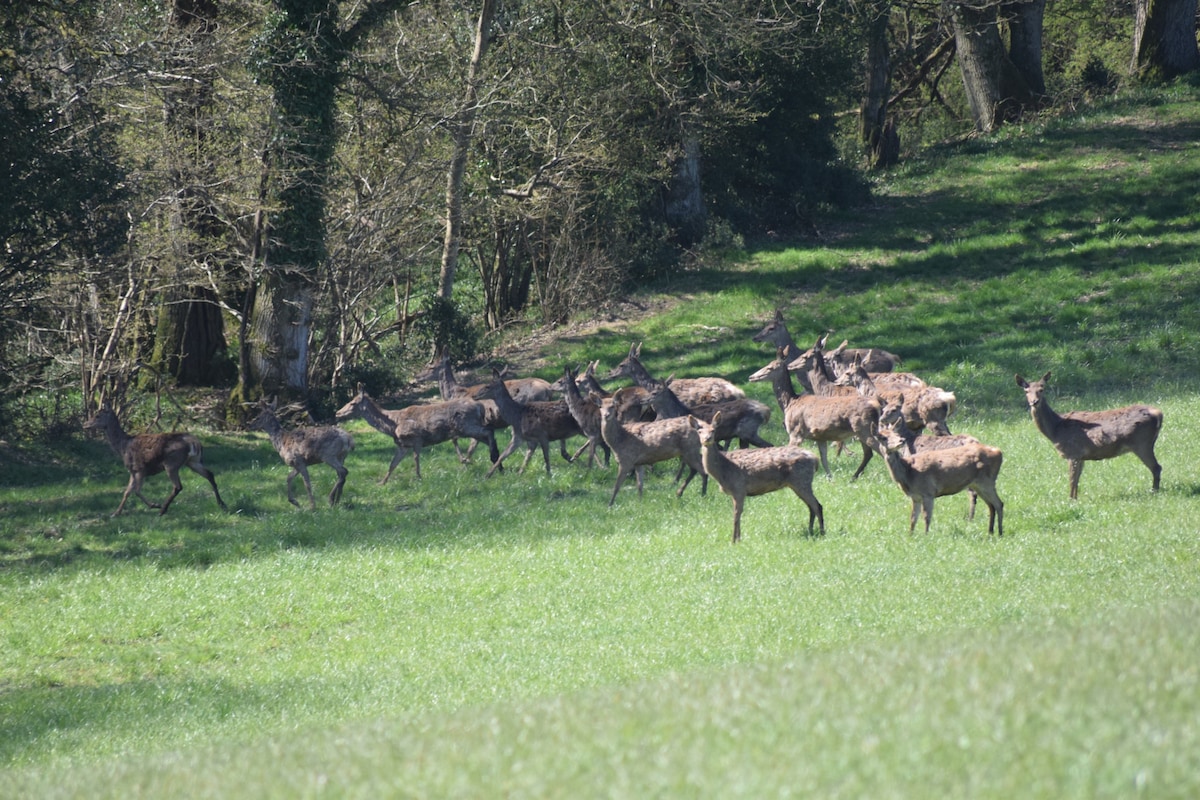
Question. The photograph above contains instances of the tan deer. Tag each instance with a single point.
(1081, 436)
(937, 473)
(638, 444)
(418, 426)
(749, 473)
(821, 419)
(303, 447)
(147, 454)
(586, 411)
(776, 333)
(923, 407)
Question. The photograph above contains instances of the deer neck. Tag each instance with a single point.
(901, 470)
(716, 463)
(116, 436)
(376, 417)
(667, 404)
(639, 373)
(510, 409)
(781, 382)
(1045, 418)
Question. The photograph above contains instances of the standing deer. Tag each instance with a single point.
(749, 473)
(937, 473)
(151, 453)
(1081, 436)
(303, 447)
(534, 424)
(821, 419)
(922, 407)
(776, 333)
(418, 426)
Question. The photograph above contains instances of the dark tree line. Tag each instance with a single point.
(281, 196)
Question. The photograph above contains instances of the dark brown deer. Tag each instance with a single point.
(534, 424)
(418, 426)
(151, 453)
(1081, 436)
(937, 473)
(749, 473)
(692, 391)
(303, 447)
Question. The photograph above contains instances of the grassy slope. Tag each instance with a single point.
(461, 638)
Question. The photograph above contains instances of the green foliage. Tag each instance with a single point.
(445, 325)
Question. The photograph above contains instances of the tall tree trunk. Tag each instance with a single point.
(875, 130)
(304, 79)
(461, 143)
(684, 207)
(995, 89)
(1164, 39)
(190, 333)
(1025, 41)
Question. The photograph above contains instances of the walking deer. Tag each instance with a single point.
(418, 426)
(937, 473)
(303, 447)
(821, 419)
(146, 454)
(1081, 436)
(534, 424)
(692, 391)
(749, 473)
(638, 444)
(525, 390)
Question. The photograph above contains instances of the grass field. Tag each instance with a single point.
(463, 637)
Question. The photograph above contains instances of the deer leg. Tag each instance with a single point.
(176, 488)
(303, 470)
(1151, 464)
(995, 508)
(401, 452)
(815, 511)
(134, 485)
(823, 449)
(927, 504)
(562, 443)
(562, 448)
(493, 448)
(1074, 470)
(739, 503)
(622, 473)
(508, 451)
(974, 496)
(640, 474)
(204, 471)
(867, 453)
(342, 472)
(916, 512)
(579, 452)
(462, 458)
(529, 451)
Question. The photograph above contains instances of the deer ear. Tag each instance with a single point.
(1021, 381)
(716, 418)
(1046, 377)
(779, 315)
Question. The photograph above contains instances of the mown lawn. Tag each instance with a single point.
(513, 636)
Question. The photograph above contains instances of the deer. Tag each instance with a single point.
(937, 473)
(303, 447)
(821, 419)
(776, 333)
(525, 390)
(586, 411)
(922, 407)
(1081, 436)
(534, 424)
(692, 391)
(638, 444)
(415, 427)
(892, 416)
(749, 473)
(632, 402)
(147, 454)
(740, 418)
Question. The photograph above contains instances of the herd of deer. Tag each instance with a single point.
(848, 395)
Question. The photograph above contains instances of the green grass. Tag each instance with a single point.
(513, 636)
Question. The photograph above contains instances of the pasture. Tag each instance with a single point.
(464, 636)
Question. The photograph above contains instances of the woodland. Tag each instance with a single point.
(285, 198)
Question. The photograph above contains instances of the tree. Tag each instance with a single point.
(1164, 39)
(996, 89)
(300, 56)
